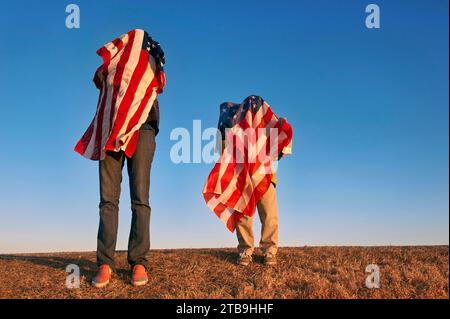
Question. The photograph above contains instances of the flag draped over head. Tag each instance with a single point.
(129, 80)
(254, 137)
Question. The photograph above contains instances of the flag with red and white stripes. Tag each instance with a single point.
(254, 138)
(129, 81)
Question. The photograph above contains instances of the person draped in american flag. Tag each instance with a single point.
(252, 138)
(124, 128)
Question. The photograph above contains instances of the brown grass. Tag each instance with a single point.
(309, 272)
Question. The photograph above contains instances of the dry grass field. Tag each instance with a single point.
(307, 272)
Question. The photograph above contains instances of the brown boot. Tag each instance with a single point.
(244, 259)
(270, 259)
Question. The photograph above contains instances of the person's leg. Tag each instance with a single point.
(268, 214)
(110, 173)
(139, 166)
(244, 232)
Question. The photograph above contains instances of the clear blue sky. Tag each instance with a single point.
(369, 110)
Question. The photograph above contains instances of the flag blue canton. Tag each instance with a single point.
(232, 113)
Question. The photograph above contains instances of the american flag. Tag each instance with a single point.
(244, 172)
(129, 81)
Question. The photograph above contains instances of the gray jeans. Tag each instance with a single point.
(110, 173)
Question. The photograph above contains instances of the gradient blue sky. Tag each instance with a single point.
(369, 110)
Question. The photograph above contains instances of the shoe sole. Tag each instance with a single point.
(243, 263)
(139, 283)
(99, 285)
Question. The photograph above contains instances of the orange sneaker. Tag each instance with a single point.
(103, 276)
(139, 276)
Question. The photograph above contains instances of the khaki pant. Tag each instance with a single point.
(268, 214)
